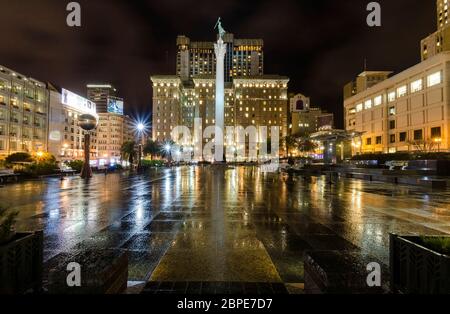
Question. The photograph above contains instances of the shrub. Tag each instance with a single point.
(153, 163)
(76, 165)
(41, 169)
(18, 157)
(437, 244)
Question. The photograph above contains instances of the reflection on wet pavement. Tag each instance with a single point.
(212, 224)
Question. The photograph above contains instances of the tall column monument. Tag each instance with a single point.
(220, 50)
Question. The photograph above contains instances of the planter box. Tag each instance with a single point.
(21, 264)
(417, 269)
(102, 272)
(339, 272)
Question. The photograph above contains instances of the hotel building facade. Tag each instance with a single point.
(251, 98)
(439, 41)
(407, 112)
(249, 101)
(24, 106)
(244, 57)
(113, 130)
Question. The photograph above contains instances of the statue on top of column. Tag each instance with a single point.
(220, 28)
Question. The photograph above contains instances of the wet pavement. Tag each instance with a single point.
(205, 225)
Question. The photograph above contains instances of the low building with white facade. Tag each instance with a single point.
(407, 112)
(66, 138)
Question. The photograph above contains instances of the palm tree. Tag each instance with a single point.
(307, 146)
(128, 151)
(152, 148)
(290, 142)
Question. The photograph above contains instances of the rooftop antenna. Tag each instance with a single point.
(365, 64)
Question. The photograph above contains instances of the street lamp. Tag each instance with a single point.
(167, 148)
(140, 128)
(438, 140)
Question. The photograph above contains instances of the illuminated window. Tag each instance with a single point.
(368, 104)
(402, 91)
(392, 111)
(416, 86)
(359, 107)
(391, 96)
(434, 79)
(378, 100)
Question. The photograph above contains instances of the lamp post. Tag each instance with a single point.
(438, 141)
(342, 147)
(140, 129)
(168, 150)
(88, 123)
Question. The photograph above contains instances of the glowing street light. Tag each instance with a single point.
(438, 141)
(140, 127)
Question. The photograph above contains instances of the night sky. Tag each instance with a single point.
(319, 44)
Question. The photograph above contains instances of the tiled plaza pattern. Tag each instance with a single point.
(223, 230)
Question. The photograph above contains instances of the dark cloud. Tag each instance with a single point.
(320, 45)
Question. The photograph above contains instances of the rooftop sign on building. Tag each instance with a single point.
(115, 105)
(77, 102)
